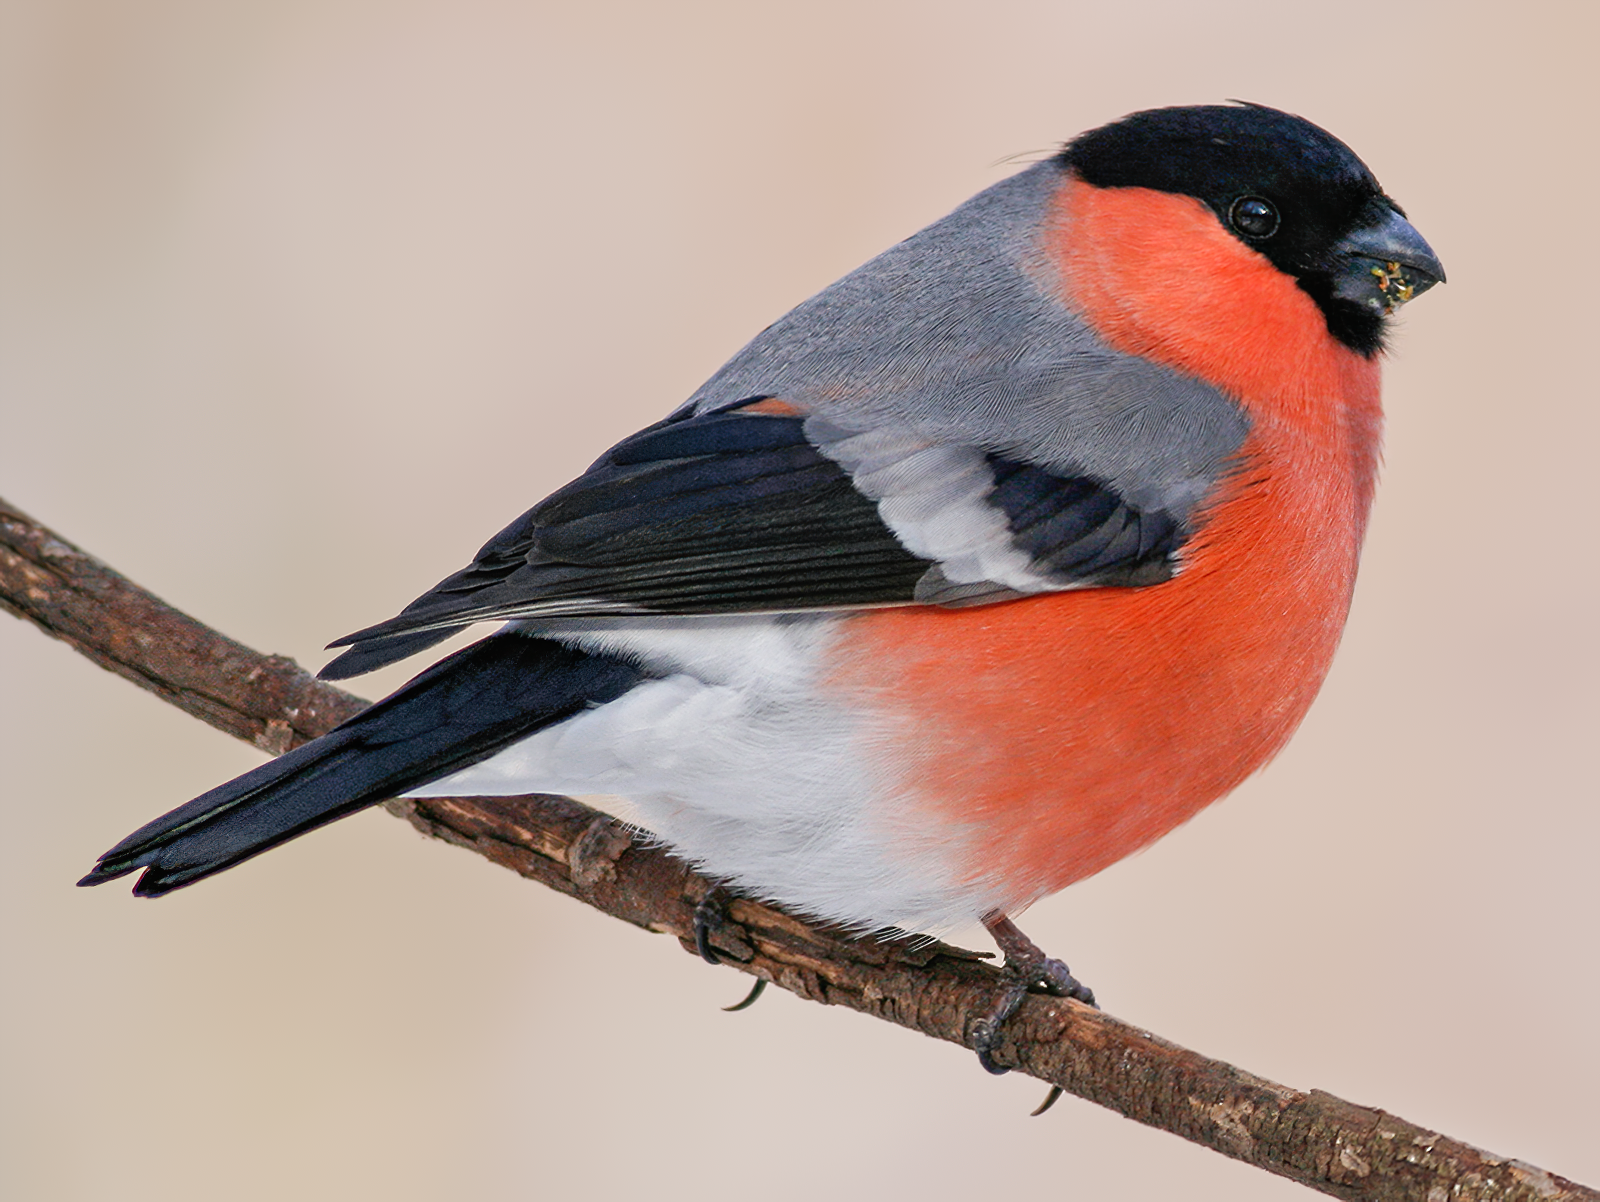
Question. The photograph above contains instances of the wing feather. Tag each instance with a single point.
(741, 512)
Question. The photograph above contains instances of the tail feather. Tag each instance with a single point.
(462, 710)
(371, 654)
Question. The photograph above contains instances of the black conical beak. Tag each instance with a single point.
(1385, 264)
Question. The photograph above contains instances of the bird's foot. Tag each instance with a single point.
(710, 918)
(711, 921)
(1027, 970)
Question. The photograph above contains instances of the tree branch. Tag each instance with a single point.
(1311, 1137)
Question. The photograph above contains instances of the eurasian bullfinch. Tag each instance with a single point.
(979, 570)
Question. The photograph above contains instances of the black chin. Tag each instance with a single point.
(1359, 327)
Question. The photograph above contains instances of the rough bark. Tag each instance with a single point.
(1311, 1137)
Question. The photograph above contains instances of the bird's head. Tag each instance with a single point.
(1285, 188)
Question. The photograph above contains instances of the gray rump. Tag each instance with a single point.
(954, 333)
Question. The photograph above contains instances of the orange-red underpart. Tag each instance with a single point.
(1052, 736)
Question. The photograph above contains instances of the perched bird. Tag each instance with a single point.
(984, 567)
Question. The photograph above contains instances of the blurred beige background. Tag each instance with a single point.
(300, 301)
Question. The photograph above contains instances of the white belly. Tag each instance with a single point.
(742, 761)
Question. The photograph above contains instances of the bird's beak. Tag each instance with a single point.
(1385, 264)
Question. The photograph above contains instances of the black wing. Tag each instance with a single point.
(737, 512)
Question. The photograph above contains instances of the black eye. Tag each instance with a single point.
(1254, 217)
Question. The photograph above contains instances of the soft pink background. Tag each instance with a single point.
(300, 301)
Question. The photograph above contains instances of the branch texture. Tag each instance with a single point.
(1314, 1138)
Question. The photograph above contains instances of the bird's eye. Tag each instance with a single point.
(1254, 217)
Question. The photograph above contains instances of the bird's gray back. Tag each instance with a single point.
(958, 334)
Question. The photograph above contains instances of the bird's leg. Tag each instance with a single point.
(1038, 971)
(1028, 970)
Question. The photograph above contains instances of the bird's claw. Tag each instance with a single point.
(749, 998)
(1050, 1100)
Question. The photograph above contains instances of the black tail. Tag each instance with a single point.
(462, 710)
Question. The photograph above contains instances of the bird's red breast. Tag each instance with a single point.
(1054, 735)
